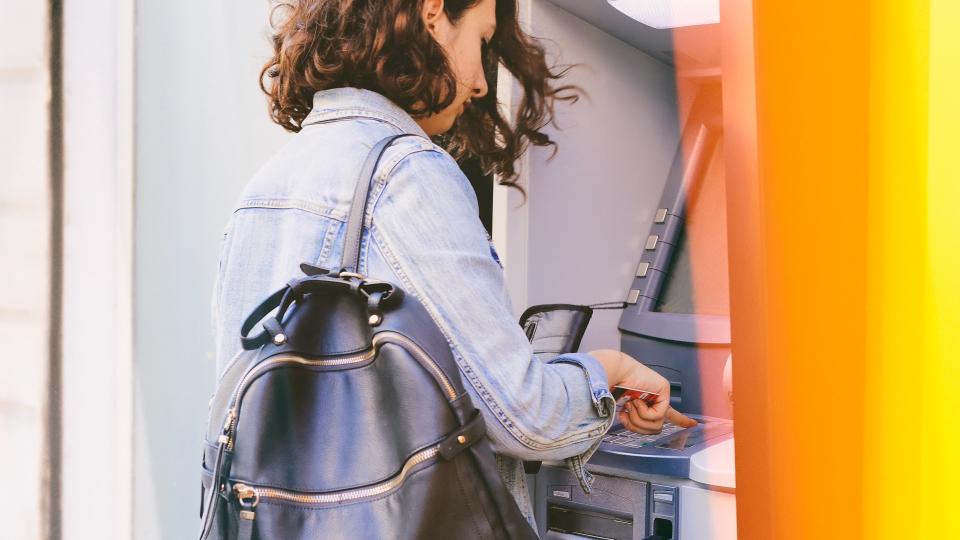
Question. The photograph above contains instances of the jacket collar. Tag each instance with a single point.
(339, 103)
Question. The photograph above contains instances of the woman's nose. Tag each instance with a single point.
(480, 87)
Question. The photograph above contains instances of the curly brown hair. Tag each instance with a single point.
(384, 46)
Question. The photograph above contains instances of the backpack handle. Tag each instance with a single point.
(283, 298)
(379, 294)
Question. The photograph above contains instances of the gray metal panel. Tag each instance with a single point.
(664, 505)
(695, 372)
(599, 193)
(609, 495)
(689, 328)
(672, 197)
(681, 178)
(645, 303)
(658, 259)
(684, 174)
(651, 284)
(671, 229)
(710, 329)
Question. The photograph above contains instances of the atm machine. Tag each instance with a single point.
(680, 483)
(650, 215)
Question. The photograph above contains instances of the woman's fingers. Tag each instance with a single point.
(645, 427)
(678, 419)
(639, 417)
(642, 423)
(653, 413)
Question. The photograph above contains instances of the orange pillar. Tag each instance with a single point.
(797, 221)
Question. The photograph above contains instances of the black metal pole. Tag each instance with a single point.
(52, 485)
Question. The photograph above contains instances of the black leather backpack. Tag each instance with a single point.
(347, 418)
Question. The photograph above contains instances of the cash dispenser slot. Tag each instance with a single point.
(615, 508)
(583, 523)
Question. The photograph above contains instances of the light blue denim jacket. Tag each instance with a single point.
(424, 233)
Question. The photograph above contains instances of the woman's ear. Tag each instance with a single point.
(431, 13)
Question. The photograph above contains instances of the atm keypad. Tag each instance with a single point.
(695, 437)
(629, 439)
(672, 437)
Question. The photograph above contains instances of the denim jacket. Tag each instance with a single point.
(424, 234)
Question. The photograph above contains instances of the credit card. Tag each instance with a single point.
(624, 394)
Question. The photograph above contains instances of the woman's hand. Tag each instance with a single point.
(637, 416)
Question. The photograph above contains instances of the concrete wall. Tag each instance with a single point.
(201, 131)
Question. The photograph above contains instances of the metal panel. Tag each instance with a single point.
(610, 497)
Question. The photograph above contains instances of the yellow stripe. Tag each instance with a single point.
(897, 274)
(940, 476)
(913, 442)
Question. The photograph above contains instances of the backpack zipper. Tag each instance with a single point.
(421, 356)
(234, 412)
(382, 337)
(256, 494)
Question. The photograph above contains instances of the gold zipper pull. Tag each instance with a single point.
(248, 498)
(228, 423)
(246, 495)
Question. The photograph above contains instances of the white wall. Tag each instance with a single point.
(591, 206)
(97, 266)
(201, 131)
(25, 259)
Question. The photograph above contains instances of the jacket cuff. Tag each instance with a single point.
(603, 400)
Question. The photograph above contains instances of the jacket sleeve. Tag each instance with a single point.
(426, 226)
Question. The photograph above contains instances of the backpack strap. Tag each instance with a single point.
(284, 297)
(358, 210)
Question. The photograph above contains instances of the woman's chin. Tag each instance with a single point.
(439, 124)
(448, 124)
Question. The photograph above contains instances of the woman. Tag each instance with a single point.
(348, 73)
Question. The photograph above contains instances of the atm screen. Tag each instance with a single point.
(697, 280)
